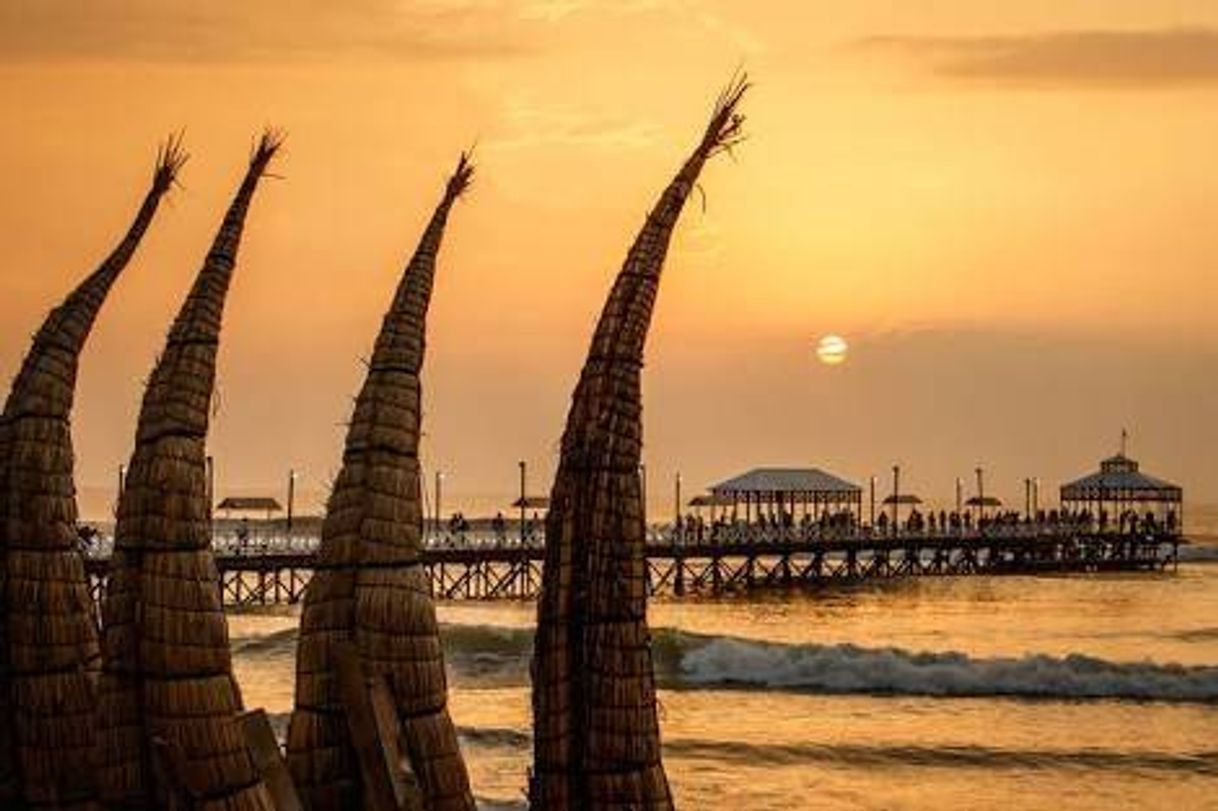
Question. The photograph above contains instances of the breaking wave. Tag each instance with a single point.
(1201, 552)
(852, 669)
(277, 644)
(488, 654)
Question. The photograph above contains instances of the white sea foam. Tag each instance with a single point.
(852, 669)
(684, 660)
(1199, 552)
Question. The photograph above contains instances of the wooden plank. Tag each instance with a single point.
(268, 760)
(172, 775)
(390, 732)
(376, 736)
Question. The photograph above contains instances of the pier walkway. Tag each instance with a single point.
(276, 571)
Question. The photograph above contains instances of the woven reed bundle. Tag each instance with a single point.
(596, 733)
(375, 594)
(167, 673)
(48, 630)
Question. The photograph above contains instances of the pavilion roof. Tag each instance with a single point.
(251, 504)
(1119, 479)
(775, 480)
(709, 500)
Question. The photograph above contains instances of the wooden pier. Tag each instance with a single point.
(678, 566)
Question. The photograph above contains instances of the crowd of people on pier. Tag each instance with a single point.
(724, 528)
(459, 532)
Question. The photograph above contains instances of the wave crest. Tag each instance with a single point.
(727, 661)
(485, 654)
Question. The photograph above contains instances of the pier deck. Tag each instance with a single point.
(679, 566)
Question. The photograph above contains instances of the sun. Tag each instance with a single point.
(831, 350)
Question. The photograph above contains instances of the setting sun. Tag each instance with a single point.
(831, 350)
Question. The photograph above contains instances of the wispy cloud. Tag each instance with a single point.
(185, 30)
(551, 11)
(556, 10)
(694, 12)
(301, 30)
(531, 125)
(1173, 56)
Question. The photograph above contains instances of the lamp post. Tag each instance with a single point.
(676, 504)
(871, 511)
(439, 491)
(980, 493)
(523, 469)
(291, 500)
(896, 486)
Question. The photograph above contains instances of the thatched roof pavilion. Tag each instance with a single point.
(250, 504)
(596, 740)
(778, 490)
(370, 590)
(48, 634)
(168, 701)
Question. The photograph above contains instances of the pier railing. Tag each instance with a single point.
(486, 566)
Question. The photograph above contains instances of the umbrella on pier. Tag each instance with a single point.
(596, 737)
(168, 700)
(899, 500)
(374, 593)
(532, 503)
(48, 635)
(983, 501)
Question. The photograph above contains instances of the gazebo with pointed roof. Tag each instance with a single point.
(1119, 486)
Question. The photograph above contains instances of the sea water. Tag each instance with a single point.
(1081, 691)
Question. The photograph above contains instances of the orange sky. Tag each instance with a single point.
(1006, 208)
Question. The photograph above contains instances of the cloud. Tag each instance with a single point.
(688, 11)
(552, 11)
(1173, 56)
(557, 10)
(533, 125)
(189, 31)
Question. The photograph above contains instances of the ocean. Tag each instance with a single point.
(1082, 692)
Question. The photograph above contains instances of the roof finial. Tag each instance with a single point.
(1124, 440)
